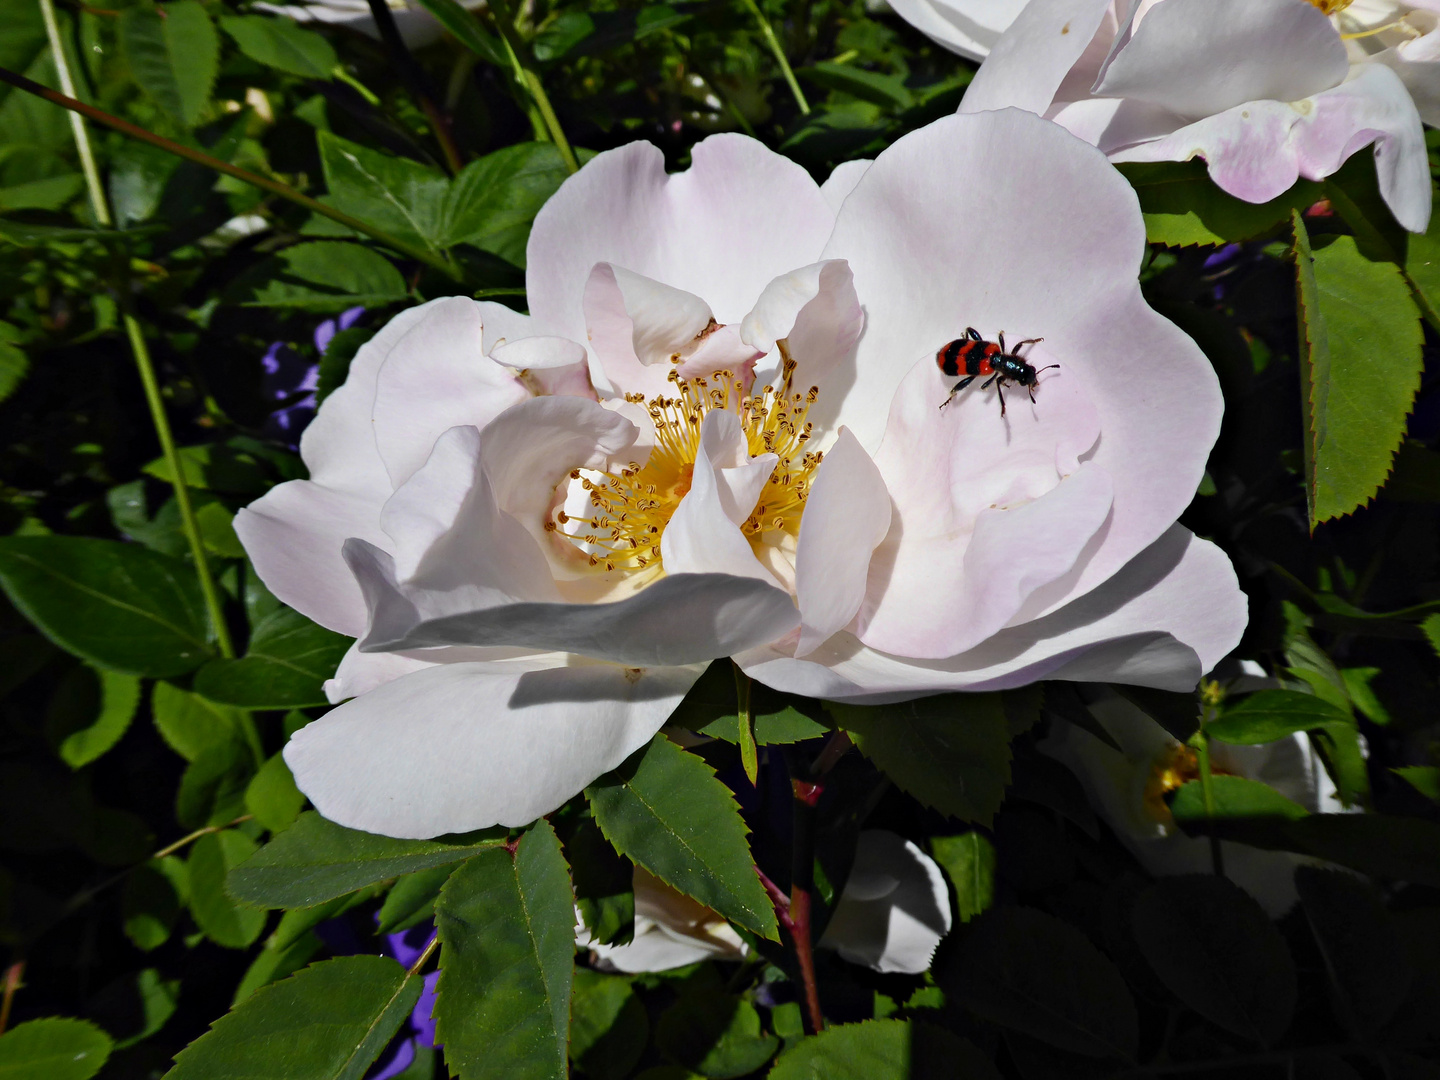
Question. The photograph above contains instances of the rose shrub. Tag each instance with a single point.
(537, 569)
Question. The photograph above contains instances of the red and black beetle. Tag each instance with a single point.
(974, 357)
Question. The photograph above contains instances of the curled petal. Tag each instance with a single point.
(703, 535)
(1164, 620)
(437, 377)
(968, 28)
(740, 216)
(1027, 66)
(1253, 49)
(1257, 150)
(816, 311)
(636, 325)
(894, 909)
(457, 747)
(548, 365)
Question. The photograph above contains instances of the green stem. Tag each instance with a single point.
(285, 191)
(749, 752)
(141, 353)
(768, 32)
(156, 403)
(1201, 742)
(530, 81)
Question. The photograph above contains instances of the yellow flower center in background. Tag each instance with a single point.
(1331, 7)
(630, 508)
(1173, 769)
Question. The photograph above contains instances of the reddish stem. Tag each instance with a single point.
(13, 975)
(800, 934)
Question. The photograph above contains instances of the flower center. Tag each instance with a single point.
(1331, 7)
(1173, 769)
(629, 509)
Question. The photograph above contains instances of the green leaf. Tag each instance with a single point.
(883, 1050)
(150, 901)
(316, 860)
(1364, 954)
(1216, 950)
(412, 899)
(222, 920)
(329, 1022)
(13, 367)
(97, 710)
(398, 196)
(188, 723)
(54, 1049)
(493, 202)
(120, 606)
(240, 467)
(1422, 268)
(212, 789)
(288, 660)
(608, 1025)
(789, 725)
(888, 91)
(1431, 629)
(280, 44)
(1183, 207)
(324, 276)
(1032, 973)
(664, 810)
(1416, 475)
(174, 54)
(273, 797)
(1423, 778)
(276, 961)
(1235, 797)
(51, 193)
(468, 31)
(951, 752)
(561, 34)
(156, 998)
(1268, 715)
(1355, 314)
(604, 883)
(969, 860)
(507, 931)
(712, 1032)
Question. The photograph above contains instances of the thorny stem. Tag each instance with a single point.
(1201, 742)
(415, 81)
(530, 81)
(13, 975)
(285, 191)
(142, 357)
(749, 753)
(802, 880)
(768, 32)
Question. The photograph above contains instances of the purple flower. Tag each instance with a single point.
(406, 947)
(290, 381)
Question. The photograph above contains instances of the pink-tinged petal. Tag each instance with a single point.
(703, 535)
(294, 537)
(437, 377)
(1115, 123)
(1162, 621)
(816, 311)
(720, 349)
(500, 324)
(339, 445)
(1060, 237)
(671, 930)
(1257, 150)
(894, 909)
(968, 27)
(842, 181)
(847, 514)
(466, 746)
(739, 217)
(548, 366)
(360, 672)
(636, 325)
(1421, 75)
(680, 619)
(1027, 66)
(1198, 57)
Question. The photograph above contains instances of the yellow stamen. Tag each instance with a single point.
(631, 506)
(1330, 7)
(1172, 770)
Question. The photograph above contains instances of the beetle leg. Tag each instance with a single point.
(956, 389)
(973, 334)
(986, 384)
(1001, 392)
